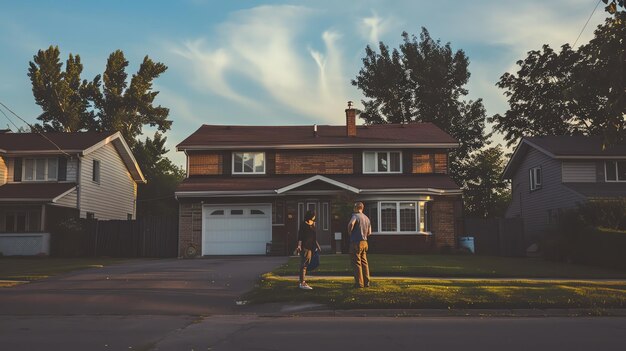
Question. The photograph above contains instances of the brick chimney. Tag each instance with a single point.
(350, 120)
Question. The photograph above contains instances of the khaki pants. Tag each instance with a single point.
(305, 260)
(358, 254)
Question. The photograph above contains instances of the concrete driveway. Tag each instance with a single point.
(147, 287)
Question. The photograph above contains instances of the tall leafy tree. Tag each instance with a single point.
(486, 195)
(128, 107)
(423, 81)
(571, 92)
(60, 93)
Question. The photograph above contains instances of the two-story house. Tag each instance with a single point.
(553, 173)
(248, 186)
(47, 177)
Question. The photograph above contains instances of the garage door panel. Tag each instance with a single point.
(236, 229)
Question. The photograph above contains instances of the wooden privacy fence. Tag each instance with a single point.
(144, 237)
(497, 236)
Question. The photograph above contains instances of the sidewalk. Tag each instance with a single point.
(374, 278)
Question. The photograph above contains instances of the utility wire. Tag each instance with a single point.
(586, 23)
(35, 130)
(10, 120)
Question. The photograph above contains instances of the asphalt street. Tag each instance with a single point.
(192, 305)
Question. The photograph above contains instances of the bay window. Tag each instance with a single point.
(397, 216)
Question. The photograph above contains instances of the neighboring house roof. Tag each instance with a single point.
(227, 185)
(564, 147)
(81, 143)
(35, 192)
(216, 137)
(598, 190)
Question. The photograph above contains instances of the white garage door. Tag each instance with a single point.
(236, 229)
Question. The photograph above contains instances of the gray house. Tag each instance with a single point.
(553, 173)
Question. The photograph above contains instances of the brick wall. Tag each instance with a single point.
(190, 227)
(443, 222)
(441, 163)
(306, 162)
(206, 163)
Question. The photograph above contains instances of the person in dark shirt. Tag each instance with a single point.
(307, 243)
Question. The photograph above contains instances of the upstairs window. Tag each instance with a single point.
(535, 178)
(95, 172)
(248, 163)
(615, 171)
(41, 169)
(382, 162)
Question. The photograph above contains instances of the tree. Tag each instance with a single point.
(573, 92)
(423, 81)
(611, 7)
(107, 103)
(157, 196)
(126, 108)
(61, 94)
(486, 195)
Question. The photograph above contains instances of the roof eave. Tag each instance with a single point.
(318, 146)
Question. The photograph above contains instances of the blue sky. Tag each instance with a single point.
(269, 62)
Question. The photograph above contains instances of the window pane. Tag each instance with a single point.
(538, 176)
(394, 161)
(369, 162)
(52, 168)
(610, 170)
(256, 212)
(621, 170)
(382, 162)
(324, 216)
(40, 169)
(248, 163)
(34, 221)
(21, 223)
(422, 217)
(388, 217)
(407, 217)
(259, 163)
(217, 213)
(371, 211)
(236, 212)
(238, 163)
(29, 169)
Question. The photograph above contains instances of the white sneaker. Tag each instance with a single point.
(304, 286)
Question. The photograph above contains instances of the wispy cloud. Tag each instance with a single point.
(266, 48)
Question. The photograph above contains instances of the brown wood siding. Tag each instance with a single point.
(441, 162)
(206, 163)
(308, 162)
(357, 161)
(423, 162)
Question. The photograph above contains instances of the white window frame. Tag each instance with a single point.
(532, 174)
(46, 176)
(242, 172)
(419, 205)
(617, 180)
(376, 171)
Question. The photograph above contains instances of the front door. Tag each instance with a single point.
(322, 221)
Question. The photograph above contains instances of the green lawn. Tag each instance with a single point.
(27, 269)
(463, 281)
(455, 266)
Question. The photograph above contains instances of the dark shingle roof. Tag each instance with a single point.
(41, 192)
(563, 145)
(24, 142)
(216, 136)
(362, 182)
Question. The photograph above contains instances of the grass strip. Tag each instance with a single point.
(337, 293)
